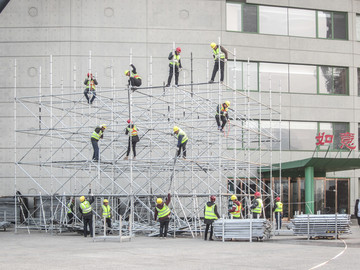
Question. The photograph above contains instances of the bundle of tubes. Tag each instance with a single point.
(320, 225)
(242, 228)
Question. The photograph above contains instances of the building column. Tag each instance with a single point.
(309, 190)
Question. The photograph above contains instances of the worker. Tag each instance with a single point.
(174, 65)
(134, 79)
(278, 209)
(70, 212)
(236, 209)
(256, 207)
(106, 213)
(220, 55)
(90, 83)
(357, 210)
(162, 213)
(132, 131)
(222, 114)
(86, 210)
(95, 137)
(182, 141)
(210, 215)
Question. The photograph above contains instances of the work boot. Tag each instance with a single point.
(168, 85)
(176, 85)
(210, 239)
(133, 88)
(126, 158)
(211, 81)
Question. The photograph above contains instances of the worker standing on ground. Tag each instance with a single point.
(95, 137)
(162, 213)
(210, 215)
(182, 141)
(90, 83)
(256, 207)
(222, 114)
(278, 209)
(86, 210)
(175, 66)
(134, 79)
(357, 210)
(70, 212)
(106, 213)
(220, 56)
(132, 131)
(236, 209)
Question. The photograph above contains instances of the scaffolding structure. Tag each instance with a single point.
(57, 164)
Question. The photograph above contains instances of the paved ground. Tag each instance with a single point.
(70, 251)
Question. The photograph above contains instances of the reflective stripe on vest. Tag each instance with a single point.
(279, 207)
(257, 210)
(210, 212)
(90, 83)
(218, 54)
(237, 211)
(85, 207)
(175, 60)
(136, 76)
(133, 131)
(164, 211)
(181, 132)
(69, 206)
(106, 211)
(96, 136)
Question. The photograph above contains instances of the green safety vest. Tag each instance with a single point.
(85, 207)
(218, 54)
(210, 212)
(175, 60)
(136, 76)
(106, 211)
(69, 206)
(279, 207)
(96, 136)
(164, 211)
(132, 131)
(222, 110)
(90, 82)
(237, 211)
(257, 210)
(181, 132)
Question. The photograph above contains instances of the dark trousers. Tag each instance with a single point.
(164, 225)
(278, 217)
(183, 147)
(255, 215)
(171, 72)
(207, 229)
(96, 149)
(223, 120)
(88, 221)
(133, 148)
(70, 217)
(108, 225)
(216, 68)
(358, 220)
(86, 92)
(134, 82)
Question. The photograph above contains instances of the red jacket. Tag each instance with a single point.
(160, 206)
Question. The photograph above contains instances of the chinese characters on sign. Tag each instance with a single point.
(347, 140)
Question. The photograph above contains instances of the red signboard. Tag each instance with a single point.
(347, 139)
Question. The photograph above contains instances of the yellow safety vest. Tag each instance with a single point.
(279, 207)
(257, 210)
(181, 132)
(69, 206)
(85, 207)
(218, 54)
(136, 76)
(222, 110)
(210, 212)
(133, 131)
(106, 211)
(90, 83)
(96, 136)
(175, 60)
(164, 211)
(237, 211)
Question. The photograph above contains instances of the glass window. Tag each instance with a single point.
(327, 129)
(340, 23)
(276, 74)
(324, 24)
(251, 132)
(357, 26)
(302, 135)
(276, 127)
(359, 140)
(302, 22)
(340, 80)
(238, 72)
(339, 128)
(250, 18)
(233, 17)
(303, 79)
(333, 80)
(342, 191)
(330, 197)
(273, 20)
(319, 195)
(325, 80)
(358, 80)
(250, 76)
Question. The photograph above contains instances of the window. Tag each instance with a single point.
(340, 22)
(358, 27)
(302, 22)
(274, 74)
(324, 24)
(233, 17)
(238, 72)
(302, 135)
(333, 129)
(273, 20)
(250, 75)
(250, 18)
(302, 79)
(333, 80)
(275, 130)
(358, 81)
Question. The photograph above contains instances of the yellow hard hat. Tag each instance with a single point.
(233, 198)
(126, 72)
(104, 126)
(82, 198)
(105, 200)
(227, 103)
(158, 200)
(175, 128)
(213, 45)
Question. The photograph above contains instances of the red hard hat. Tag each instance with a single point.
(89, 74)
(178, 49)
(277, 199)
(257, 194)
(212, 198)
(128, 121)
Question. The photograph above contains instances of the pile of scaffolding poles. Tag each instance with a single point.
(243, 229)
(329, 225)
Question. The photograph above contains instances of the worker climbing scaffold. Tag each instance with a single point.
(132, 131)
(175, 66)
(90, 83)
(95, 137)
(222, 114)
(182, 141)
(134, 79)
